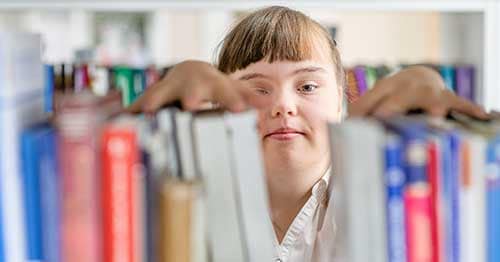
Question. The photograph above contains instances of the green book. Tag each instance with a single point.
(371, 76)
(124, 81)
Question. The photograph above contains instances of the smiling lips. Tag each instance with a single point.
(284, 134)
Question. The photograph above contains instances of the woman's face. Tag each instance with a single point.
(299, 97)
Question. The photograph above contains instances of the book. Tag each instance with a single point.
(177, 215)
(492, 196)
(465, 81)
(434, 173)
(371, 76)
(473, 197)
(447, 72)
(21, 105)
(118, 180)
(352, 86)
(356, 196)
(31, 142)
(360, 74)
(417, 190)
(250, 180)
(79, 122)
(49, 88)
(225, 235)
(50, 186)
(395, 182)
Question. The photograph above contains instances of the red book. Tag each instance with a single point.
(433, 171)
(119, 167)
(418, 222)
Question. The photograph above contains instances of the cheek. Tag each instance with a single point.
(324, 107)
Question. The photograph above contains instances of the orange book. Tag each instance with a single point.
(352, 86)
(177, 203)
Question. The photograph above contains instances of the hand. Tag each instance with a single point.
(194, 84)
(416, 87)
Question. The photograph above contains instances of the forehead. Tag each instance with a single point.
(319, 57)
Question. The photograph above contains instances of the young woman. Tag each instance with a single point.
(286, 65)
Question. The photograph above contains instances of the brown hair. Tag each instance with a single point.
(275, 33)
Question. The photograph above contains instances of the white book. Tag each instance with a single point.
(472, 200)
(358, 191)
(21, 105)
(252, 190)
(214, 164)
(182, 122)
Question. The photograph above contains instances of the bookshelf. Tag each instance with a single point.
(469, 31)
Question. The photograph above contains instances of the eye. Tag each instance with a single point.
(261, 91)
(307, 88)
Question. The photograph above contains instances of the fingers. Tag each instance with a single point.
(464, 106)
(367, 103)
(137, 106)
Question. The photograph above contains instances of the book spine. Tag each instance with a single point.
(49, 185)
(417, 196)
(352, 86)
(371, 76)
(493, 195)
(448, 75)
(176, 206)
(465, 81)
(359, 73)
(49, 88)
(472, 200)
(455, 201)
(395, 180)
(80, 199)
(434, 174)
(119, 159)
(125, 83)
(418, 222)
(31, 188)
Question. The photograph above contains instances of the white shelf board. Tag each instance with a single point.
(353, 5)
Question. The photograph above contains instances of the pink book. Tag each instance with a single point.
(418, 222)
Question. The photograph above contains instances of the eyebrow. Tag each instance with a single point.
(309, 69)
(252, 76)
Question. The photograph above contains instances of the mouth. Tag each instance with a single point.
(284, 134)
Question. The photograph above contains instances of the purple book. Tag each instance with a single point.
(360, 74)
(465, 81)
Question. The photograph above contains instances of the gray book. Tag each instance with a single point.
(250, 180)
(358, 191)
(229, 160)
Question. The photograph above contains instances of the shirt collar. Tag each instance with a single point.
(319, 189)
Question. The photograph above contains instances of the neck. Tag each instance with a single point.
(289, 189)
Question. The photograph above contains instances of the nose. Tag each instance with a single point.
(284, 105)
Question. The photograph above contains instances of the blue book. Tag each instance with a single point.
(49, 88)
(414, 137)
(49, 185)
(395, 180)
(2, 245)
(30, 158)
(450, 181)
(448, 74)
(493, 200)
(454, 194)
(39, 174)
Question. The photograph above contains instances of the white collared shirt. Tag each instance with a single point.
(310, 237)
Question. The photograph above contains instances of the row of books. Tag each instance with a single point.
(74, 78)
(100, 186)
(430, 189)
(458, 78)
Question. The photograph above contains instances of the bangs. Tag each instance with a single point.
(274, 34)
